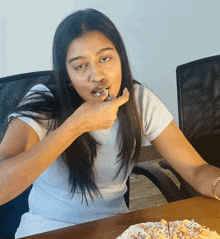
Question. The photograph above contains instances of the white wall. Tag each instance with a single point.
(159, 35)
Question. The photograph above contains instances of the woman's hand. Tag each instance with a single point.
(100, 114)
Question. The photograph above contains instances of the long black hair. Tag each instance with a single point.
(66, 100)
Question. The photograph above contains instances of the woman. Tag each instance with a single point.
(78, 141)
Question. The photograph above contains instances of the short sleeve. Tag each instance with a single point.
(41, 129)
(154, 114)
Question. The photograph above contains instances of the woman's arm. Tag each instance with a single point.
(24, 157)
(175, 148)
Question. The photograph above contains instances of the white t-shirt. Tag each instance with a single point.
(50, 196)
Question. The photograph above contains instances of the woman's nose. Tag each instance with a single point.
(96, 73)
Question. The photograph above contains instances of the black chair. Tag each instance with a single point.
(12, 89)
(198, 88)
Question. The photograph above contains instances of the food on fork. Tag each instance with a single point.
(99, 91)
(185, 229)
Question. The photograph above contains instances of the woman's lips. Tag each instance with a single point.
(102, 91)
(99, 91)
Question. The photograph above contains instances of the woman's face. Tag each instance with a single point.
(93, 64)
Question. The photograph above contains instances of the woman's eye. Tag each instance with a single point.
(79, 67)
(104, 59)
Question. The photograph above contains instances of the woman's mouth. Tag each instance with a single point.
(99, 91)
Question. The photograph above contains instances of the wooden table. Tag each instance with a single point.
(203, 210)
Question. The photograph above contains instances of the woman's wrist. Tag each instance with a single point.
(75, 124)
(215, 186)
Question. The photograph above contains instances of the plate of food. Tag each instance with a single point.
(185, 229)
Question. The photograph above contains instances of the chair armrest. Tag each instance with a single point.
(186, 190)
(167, 187)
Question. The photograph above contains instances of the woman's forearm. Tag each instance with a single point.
(176, 149)
(19, 172)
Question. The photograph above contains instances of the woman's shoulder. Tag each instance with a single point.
(145, 96)
(37, 93)
(39, 88)
(142, 90)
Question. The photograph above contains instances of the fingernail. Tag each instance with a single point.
(125, 90)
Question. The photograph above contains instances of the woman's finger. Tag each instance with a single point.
(110, 96)
(103, 96)
(122, 99)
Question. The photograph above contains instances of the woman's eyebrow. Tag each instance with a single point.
(82, 57)
(75, 58)
(104, 49)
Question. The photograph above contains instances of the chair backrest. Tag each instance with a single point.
(198, 87)
(12, 90)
